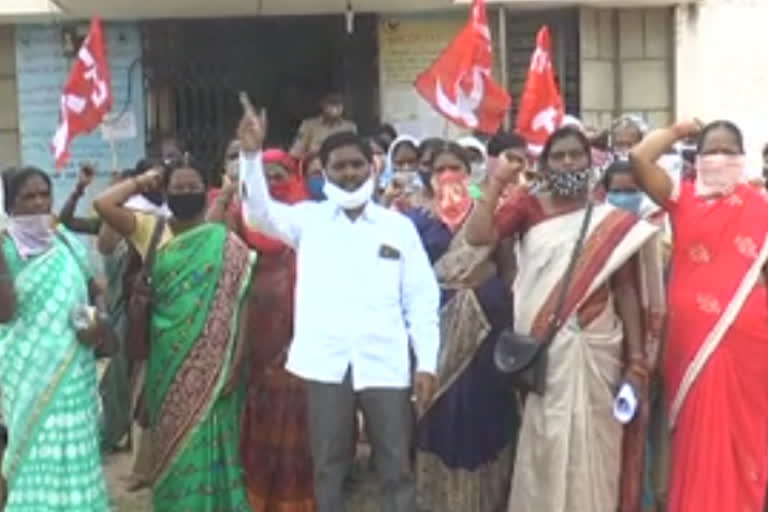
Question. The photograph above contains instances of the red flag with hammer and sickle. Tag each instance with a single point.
(87, 94)
(541, 105)
(459, 83)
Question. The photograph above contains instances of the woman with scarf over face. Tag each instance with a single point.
(200, 281)
(465, 437)
(47, 366)
(275, 441)
(573, 454)
(716, 362)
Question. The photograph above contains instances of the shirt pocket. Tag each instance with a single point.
(388, 276)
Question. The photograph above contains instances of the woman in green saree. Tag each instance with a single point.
(200, 279)
(50, 400)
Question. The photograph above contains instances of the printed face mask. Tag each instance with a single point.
(719, 174)
(452, 202)
(570, 183)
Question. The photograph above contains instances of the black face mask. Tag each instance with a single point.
(186, 206)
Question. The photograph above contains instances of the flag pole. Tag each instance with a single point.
(446, 127)
(503, 57)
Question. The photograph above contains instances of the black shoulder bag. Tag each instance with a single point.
(524, 358)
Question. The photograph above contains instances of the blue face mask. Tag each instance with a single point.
(629, 201)
(315, 185)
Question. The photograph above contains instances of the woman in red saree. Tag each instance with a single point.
(274, 440)
(716, 361)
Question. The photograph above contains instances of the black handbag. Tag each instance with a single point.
(522, 357)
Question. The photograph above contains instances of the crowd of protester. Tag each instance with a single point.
(392, 285)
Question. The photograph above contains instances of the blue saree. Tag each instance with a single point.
(466, 437)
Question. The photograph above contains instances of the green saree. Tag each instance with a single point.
(201, 279)
(50, 400)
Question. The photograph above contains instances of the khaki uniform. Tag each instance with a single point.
(314, 131)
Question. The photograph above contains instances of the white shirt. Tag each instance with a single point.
(363, 288)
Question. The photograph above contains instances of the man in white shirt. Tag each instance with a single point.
(364, 289)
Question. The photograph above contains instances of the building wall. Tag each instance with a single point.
(9, 113)
(721, 51)
(409, 44)
(626, 64)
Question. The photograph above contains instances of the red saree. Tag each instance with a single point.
(275, 439)
(716, 366)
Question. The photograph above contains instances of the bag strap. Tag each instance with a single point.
(557, 320)
(65, 240)
(149, 259)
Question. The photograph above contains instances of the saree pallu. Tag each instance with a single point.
(570, 450)
(200, 280)
(465, 438)
(115, 385)
(275, 439)
(716, 363)
(50, 399)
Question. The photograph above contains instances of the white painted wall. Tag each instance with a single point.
(27, 7)
(722, 66)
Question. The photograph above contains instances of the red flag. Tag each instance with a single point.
(541, 105)
(87, 94)
(459, 83)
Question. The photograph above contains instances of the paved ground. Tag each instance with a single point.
(362, 496)
(117, 466)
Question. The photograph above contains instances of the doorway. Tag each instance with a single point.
(194, 70)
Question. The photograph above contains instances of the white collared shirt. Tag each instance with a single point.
(363, 288)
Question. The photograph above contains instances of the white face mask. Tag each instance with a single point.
(33, 234)
(349, 200)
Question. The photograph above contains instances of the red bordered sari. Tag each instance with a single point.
(572, 454)
(716, 366)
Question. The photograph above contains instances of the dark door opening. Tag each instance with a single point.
(194, 70)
